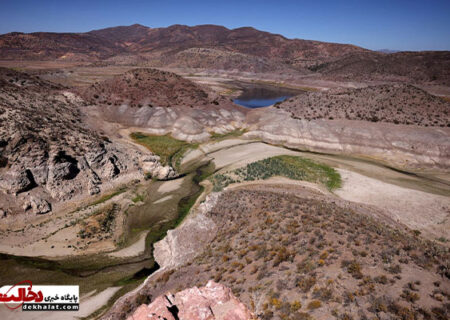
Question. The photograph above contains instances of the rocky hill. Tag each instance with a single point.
(152, 88)
(426, 66)
(399, 104)
(51, 46)
(210, 58)
(47, 153)
(244, 40)
(294, 253)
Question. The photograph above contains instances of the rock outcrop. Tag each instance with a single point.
(192, 125)
(211, 302)
(48, 154)
(186, 241)
(180, 246)
(162, 103)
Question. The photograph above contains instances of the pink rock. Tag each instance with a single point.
(212, 302)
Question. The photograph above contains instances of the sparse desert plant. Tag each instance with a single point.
(315, 304)
(306, 283)
(410, 296)
(295, 306)
(353, 267)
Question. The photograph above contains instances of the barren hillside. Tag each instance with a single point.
(425, 66)
(399, 104)
(295, 254)
(150, 87)
(244, 49)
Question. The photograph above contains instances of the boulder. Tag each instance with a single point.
(17, 181)
(212, 302)
(40, 206)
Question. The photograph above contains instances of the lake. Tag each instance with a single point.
(258, 96)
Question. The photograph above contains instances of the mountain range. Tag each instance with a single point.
(217, 47)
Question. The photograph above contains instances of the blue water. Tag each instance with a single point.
(259, 103)
(257, 96)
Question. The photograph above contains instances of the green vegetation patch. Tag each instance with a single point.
(291, 167)
(231, 134)
(138, 198)
(108, 196)
(169, 149)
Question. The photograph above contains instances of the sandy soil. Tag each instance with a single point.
(282, 181)
(215, 146)
(170, 186)
(163, 199)
(418, 210)
(88, 305)
(240, 155)
(192, 155)
(391, 192)
(210, 147)
(135, 249)
(55, 236)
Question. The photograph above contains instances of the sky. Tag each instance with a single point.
(395, 24)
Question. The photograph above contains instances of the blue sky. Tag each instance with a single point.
(394, 24)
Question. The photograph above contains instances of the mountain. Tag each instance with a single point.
(50, 46)
(216, 47)
(138, 39)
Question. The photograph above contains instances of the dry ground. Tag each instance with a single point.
(291, 253)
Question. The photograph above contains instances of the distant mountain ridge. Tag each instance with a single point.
(104, 43)
(216, 47)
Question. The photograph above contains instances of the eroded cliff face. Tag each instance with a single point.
(213, 302)
(409, 147)
(186, 241)
(189, 124)
(48, 155)
(180, 246)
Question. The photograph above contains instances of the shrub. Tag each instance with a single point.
(306, 283)
(301, 316)
(353, 267)
(410, 296)
(379, 305)
(276, 303)
(381, 279)
(323, 294)
(295, 306)
(395, 269)
(315, 304)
